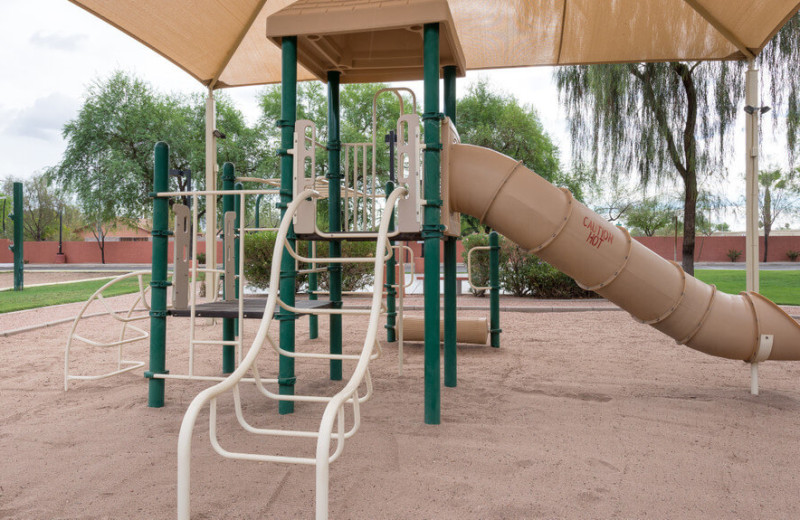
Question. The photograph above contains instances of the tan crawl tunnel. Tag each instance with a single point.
(469, 330)
(601, 257)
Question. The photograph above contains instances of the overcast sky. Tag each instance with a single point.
(51, 50)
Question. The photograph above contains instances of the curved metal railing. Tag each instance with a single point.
(334, 414)
(126, 318)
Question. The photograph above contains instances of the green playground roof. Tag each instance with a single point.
(224, 43)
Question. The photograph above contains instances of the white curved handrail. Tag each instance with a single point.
(334, 408)
(122, 364)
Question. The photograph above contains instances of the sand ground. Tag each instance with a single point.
(577, 415)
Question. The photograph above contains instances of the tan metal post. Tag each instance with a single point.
(211, 184)
(751, 177)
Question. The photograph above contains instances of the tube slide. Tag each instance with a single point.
(601, 257)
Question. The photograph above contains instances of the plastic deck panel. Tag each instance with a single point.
(368, 236)
(253, 308)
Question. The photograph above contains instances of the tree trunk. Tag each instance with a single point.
(689, 213)
(100, 236)
(767, 219)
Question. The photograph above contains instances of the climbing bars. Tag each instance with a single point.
(333, 415)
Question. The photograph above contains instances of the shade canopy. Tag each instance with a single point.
(223, 43)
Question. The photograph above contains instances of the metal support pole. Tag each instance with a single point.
(494, 289)
(313, 285)
(237, 225)
(228, 324)
(19, 237)
(751, 179)
(60, 231)
(258, 210)
(391, 263)
(450, 260)
(335, 219)
(211, 184)
(158, 279)
(431, 230)
(286, 378)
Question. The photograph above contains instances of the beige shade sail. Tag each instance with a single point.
(223, 43)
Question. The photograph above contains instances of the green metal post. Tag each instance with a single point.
(391, 265)
(335, 219)
(19, 237)
(313, 319)
(286, 377)
(450, 263)
(258, 210)
(228, 324)
(158, 278)
(494, 289)
(431, 230)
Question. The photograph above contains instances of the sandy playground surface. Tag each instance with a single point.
(578, 415)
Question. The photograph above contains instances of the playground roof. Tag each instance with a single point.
(223, 43)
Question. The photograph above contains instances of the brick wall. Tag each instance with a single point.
(707, 249)
(89, 252)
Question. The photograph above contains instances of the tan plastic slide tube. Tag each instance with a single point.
(550, 223)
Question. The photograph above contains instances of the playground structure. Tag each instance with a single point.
(501, 193)
(406, 43)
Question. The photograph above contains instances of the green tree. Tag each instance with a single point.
(355, 126)
(115, 131)
(672, 120)
(779, 198)
(40, 207)
(498, 121)
(649, 216)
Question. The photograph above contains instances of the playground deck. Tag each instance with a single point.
(253, 308)
(577, 415)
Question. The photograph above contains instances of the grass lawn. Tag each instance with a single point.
(43, 296)
(782, 287)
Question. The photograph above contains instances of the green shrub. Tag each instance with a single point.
(480, 260)
(733, 254)
(548, 282)
(521, 273)
(259, 247)
(518, 273)
(792, 254)
(354, 276)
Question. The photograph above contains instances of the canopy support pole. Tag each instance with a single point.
(431, 231)
(450, 260)
(335, 220)
(751, 177)
(211, 205)
(286, 377)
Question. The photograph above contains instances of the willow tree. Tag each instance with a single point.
(670, 121)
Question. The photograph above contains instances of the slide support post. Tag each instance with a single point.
(431, 228)
(158, 278)
(450, 263)
(19, 237)
(334, 220)
(286, 377)
(494, 289)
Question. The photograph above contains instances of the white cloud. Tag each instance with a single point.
(69, 42)
(44, 119)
